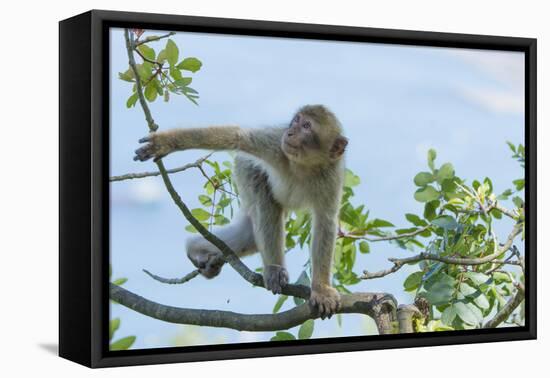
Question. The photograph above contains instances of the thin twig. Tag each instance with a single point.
(139, 90)
(147, 59)
(399, 263)
(130, 176)
(388, 237)
(492, 205)
(153, 39)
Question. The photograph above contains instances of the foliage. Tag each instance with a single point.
(220, 192)
(456, 222)
(114, 324)
(161, 73)
(462, 219)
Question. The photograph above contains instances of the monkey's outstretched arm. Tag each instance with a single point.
(262, 143)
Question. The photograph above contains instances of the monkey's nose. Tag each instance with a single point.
(201, 261)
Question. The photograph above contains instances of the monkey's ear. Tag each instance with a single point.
(338, 147)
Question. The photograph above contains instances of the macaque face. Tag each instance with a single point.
(301, 138)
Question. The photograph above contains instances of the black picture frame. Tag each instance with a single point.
(84, 187)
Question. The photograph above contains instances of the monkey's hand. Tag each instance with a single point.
(275, 278)
(326, 299)
(157, 146)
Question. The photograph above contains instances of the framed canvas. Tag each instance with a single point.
(235, 188)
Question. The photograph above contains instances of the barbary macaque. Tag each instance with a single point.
(277, 169)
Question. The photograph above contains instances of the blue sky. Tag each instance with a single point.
(394, 101)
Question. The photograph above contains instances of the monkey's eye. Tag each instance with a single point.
(306, 125)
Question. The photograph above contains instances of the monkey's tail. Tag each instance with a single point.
(173, 281)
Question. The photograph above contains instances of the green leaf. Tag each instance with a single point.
(481, 301)
(423, 178)
(200, 214)
(504, 195)
(364, 247)
(187, 90)
(175, 73)
(477, 278)
(144, 71)
(220, 220)
(190, 64)
(446, 222)
(151, 92)
(114, 324)
(282, 336)
(127, 76)
(303, 279)
(446, 171)
(416, 220)
(132, 100)
(282, 299)
(466, 289)
(123, 344)
(205, 200)
(448, 315)
(183, 82)
(378, 223)
(306, 329)
(426, 194)
(224, 202)
(413, 281)
(519, 184)
(512, 147)
(172, 52)
(147, 51)
(430, 209)
(500, 277)
(449, 186)
(161, 58)
(191, 228)
(517, 201)
(120, 281)
(351, 179)
(465, 313)
(440, 289)
(431, 158)
(488, 185)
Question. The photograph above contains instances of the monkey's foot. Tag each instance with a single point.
(209, 263)
(275, 278)
(326, 299)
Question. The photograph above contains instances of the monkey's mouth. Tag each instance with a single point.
(292, 146)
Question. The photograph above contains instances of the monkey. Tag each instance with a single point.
(277, 169)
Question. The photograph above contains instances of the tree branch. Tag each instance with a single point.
(399, 263)
(139, 90)
(153, 39)
(229, 255)
(491, 204)
(378, 306)
(388, 237)
(130, 176)
(507, 309)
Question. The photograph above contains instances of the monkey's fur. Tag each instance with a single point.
(276, 169)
